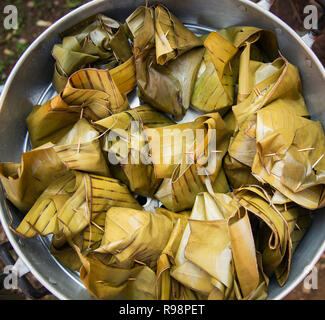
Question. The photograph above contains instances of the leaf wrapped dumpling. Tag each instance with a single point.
(103, 41)
(24, 182)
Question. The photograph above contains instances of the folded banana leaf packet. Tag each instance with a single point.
(203, 190)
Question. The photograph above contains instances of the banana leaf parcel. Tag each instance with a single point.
(284, 226)
(171, 36)
(216, 256)
(103, 43)
(196, 162)
(226, 59)
(134, 236)
(276, 83)
(214, 87)
(70, 203)
(106, 282)
(90, 93)
(130, 160)
(25, 181)
(80, 149)
(167, 87)
(167, 58)
(290, 154)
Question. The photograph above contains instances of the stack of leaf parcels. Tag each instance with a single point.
(217, 224)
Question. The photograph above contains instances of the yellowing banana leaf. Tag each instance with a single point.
(42, 217)
(141, 26)
(209, 248)
(254, 200)
(281, 223)
(251, 69)
(80, 149)
(167, 88)
(86, 241)
(264, 146)
(93, 234)
(171, 36)
(242, 35)
(220, 184)
(279, 198)
(244, 255)
(243, 147)
(257, 44)
(24, 182)
(110, 283)
(238, 174)
(167, 257)
(102, 41)
(225, 248)
(124, 76)
(145, 114)
(290, 154)
(213, 92)
(322, 200)
(68, 205)
(217, 248)
(221, 51)
(97, 89)
(229, 119)
(67, 256)
(168, 145)
(261, 292)
(132, 164)
(204, 159)
(89, 93)
(134, 236)
(278, 80)
(215, 88)
(298, 220)
(206, 208)
(51, 121)
(245, 81)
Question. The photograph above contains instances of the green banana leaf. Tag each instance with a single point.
(103, 41)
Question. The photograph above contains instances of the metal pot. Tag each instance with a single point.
(33, 73)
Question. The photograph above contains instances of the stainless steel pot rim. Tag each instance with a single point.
(243, 4)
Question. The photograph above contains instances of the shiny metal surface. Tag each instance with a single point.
(32, 76)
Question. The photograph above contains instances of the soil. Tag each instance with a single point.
(33, 18)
